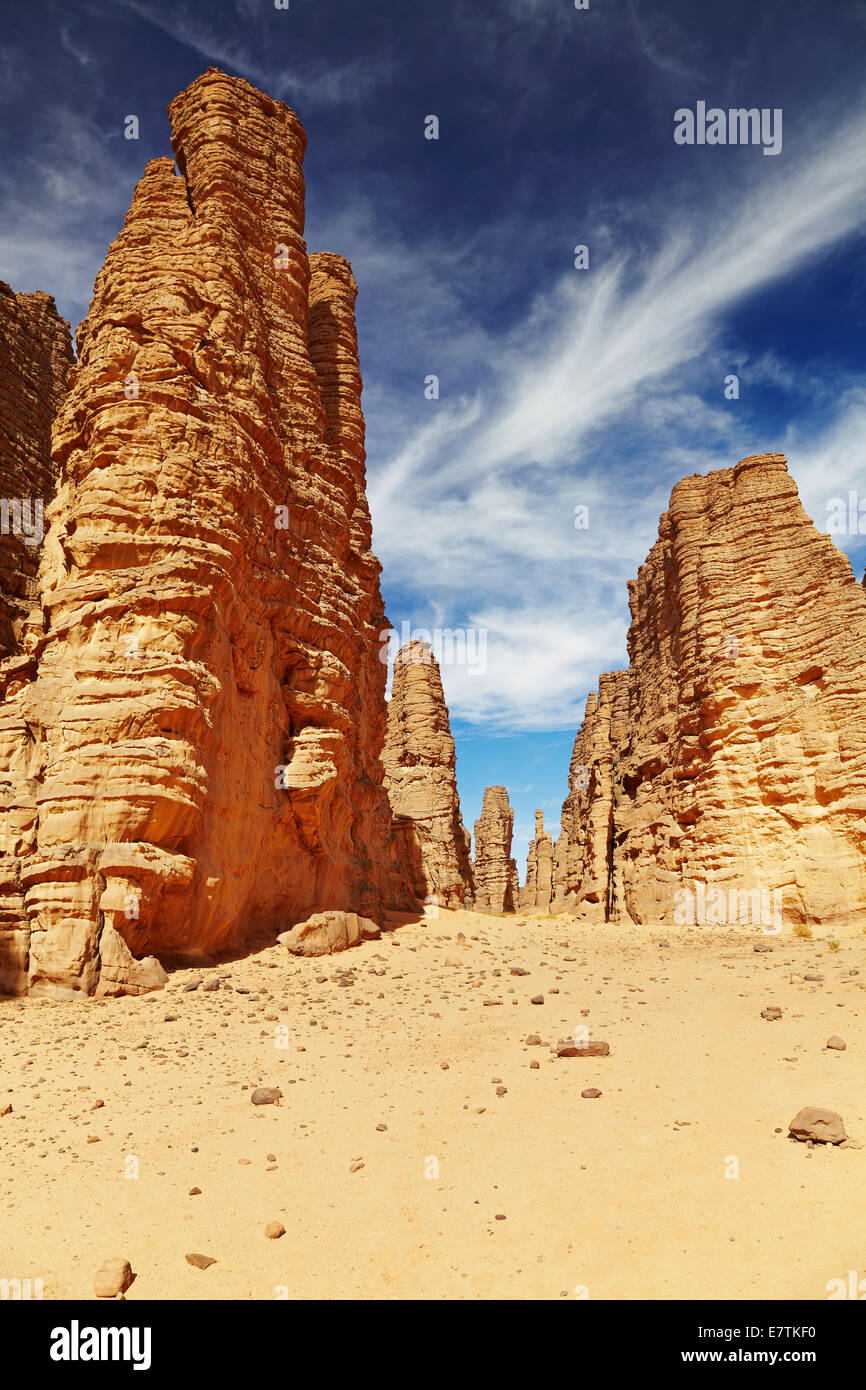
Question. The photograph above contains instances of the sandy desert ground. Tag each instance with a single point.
(412, 1049)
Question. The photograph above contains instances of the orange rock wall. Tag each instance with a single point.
(732, 754)
(207, 709)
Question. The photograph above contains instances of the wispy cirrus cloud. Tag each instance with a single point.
(604, 392)
(242, 36)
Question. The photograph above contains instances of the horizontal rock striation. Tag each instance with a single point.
(420, 775)
(723, 777)
(537, 891)
(35, 357)
(496, 882)
(203, 711)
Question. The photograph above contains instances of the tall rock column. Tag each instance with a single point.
(420, 774)
(495, 871)
(588, 810)
(208, 712)
(538, 889)
(35, 357)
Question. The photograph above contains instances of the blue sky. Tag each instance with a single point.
(559, 388)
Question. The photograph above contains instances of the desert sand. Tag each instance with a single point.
(396, 1050)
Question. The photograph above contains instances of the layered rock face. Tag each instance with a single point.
(496, 882)
(587, 813)
(537, 891)
(35, 357)
(420, 775)
(201, 718)
(723, 777)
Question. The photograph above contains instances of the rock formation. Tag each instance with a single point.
(723, 776)
(35, 357)
(191, 739)
(496, 883)
(587, 813)
(420, 776)
(537, 891)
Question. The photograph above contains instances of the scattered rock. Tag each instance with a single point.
(771, 1012)
(274, 1230)
(266, 1095)
(819, 1125)
(200, 1261)
(537, 999)
(590, 1093)
(327, 932)
(569, 1048)
(112, 1278)
(836, 1043)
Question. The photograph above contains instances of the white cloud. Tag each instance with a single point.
(599, 396)
(213, 34)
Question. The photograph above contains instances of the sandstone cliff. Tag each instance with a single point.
(537, 891)
(192, 753)
(420, 775)
(732, 754)
(35, 357)
(496, 883)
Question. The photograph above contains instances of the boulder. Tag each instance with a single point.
(819, 1125)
